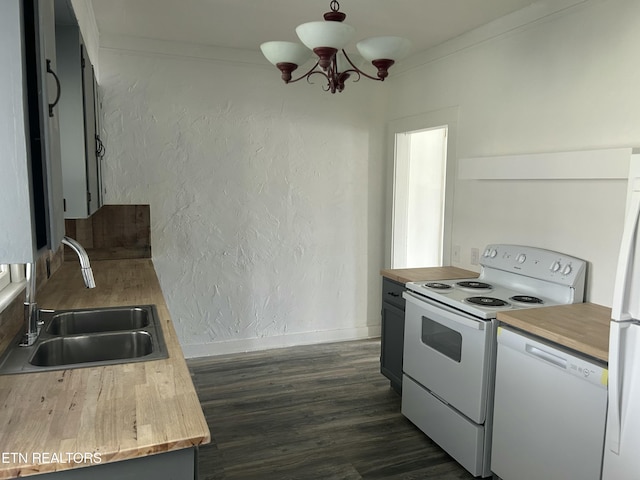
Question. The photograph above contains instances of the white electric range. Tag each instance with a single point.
(450, 342)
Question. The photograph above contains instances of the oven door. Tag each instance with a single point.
(448, 352)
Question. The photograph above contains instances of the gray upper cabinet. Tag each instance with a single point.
(49, 95)
(90, 128)
(31, 201)
(80, 162)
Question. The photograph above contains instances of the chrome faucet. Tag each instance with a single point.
(87, 273)
(31, 310)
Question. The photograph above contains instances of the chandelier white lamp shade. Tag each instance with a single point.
(287, 56)
(327, 40)
(383, 51)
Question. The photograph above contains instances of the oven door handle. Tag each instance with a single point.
(444, 311)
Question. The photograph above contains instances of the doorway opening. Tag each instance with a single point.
(419, 198)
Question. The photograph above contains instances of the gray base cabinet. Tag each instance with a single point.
(392, 332)
(176, 465)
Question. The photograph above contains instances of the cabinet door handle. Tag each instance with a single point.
(393, 294)
(55, 102)
(100, 150)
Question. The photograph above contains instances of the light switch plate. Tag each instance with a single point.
(475, 256)
(456, 253)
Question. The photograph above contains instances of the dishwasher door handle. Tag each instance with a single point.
(546, 356)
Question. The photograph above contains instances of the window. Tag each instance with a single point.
(11, 283)
(5, 276)
(441, 338)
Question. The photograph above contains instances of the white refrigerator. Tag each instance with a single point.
(622, 439)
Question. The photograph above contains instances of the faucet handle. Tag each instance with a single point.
(32, 324)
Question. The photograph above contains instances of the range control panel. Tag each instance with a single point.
(535, 263)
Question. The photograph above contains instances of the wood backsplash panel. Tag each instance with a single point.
(113, 232)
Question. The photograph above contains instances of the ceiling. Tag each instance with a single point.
(247, 23)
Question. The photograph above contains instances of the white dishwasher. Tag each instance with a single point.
(549, 412)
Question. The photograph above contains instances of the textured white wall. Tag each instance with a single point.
(565, 82)
(266, 199)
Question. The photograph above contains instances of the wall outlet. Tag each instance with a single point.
(475, 256)
(456, 253)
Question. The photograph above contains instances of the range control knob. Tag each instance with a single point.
(567, 270)
(521, 258)
(555, 266)
(493, 253)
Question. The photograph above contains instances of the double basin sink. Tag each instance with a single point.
(88, 338)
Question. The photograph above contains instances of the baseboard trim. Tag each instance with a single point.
(280, 341)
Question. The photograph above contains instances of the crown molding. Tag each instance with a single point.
(149, 46)
(535, 13)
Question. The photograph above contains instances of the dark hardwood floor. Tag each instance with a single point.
(311, 412)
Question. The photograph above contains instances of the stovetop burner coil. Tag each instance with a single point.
(526, 299)
(475, 285)
(486, 301)
(438, 286)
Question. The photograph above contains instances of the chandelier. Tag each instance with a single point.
(327, 41)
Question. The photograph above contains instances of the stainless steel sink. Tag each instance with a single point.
(92, 348)
(89, 337)
(94, 321)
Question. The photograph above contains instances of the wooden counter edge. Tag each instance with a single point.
(582, 327)
(404, 275)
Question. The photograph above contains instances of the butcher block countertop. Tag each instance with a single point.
(583, 327)
(119, 411)
(404, 275)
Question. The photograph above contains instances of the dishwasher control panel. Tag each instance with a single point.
(555, 356)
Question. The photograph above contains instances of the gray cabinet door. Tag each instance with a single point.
(77, 125)
(31, 195)
(392, 344)
(392, 332)
(89, 102)
(49, 92)
(16, 238)
(174, 465)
